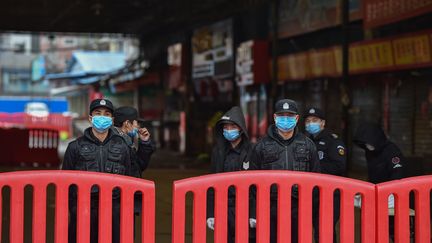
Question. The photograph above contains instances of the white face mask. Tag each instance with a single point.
(370, 147)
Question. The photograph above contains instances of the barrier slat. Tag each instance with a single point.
(39, 212)
(263, 212)
(402, 217)
(284, 213)
(178, 212)
(326, 216)
(83, 214)
(199, 216)
(347, 217)
(242, 213)
(17, 214)
(221, 207)
(422, 219)
(305, 213)
(126, 215)
(148, 215)
(61, 213)
(105, 214)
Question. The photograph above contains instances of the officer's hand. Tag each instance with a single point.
(210, 223)
(252, 223)
(144, 134)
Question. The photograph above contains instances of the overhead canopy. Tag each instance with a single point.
(90, 67)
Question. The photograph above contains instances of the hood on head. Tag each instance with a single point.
(234, 115)
(370, 133)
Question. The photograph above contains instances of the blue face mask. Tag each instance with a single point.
(231, 135)
(313, 128)
(133, 133)
(101, 123)
(286, 123)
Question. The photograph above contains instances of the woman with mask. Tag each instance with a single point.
(285, 148)
(100, 149)
(231, 153)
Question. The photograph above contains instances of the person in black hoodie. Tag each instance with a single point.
(285, 148)
(100, 149)
(231, 152)
(385, 161)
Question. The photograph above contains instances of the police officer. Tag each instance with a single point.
(138, 139)
(285, 148)
(126, 125)
(231, 152)
(332, 156)
(100, 149)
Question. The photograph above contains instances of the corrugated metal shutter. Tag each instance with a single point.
(423, 119)
(401, 109)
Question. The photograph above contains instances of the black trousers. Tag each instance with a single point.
(94, 222)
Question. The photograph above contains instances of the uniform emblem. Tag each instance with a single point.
(102, 102)
(395, 160)
(285, 106)
(312, 111)
(322, 143)
(320, 155)
(226, 118)
(246, 165)
(335, 135)
(341, 150)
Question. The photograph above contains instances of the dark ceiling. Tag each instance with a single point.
(141, 17)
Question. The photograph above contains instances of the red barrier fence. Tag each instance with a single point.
(421, 186)
(29, 146)
(57, 122)
(284, 180)
(62, 180)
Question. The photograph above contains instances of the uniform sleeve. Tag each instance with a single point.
(144, 153)
(336, 162)
(70, 157)
(127, 160)
(315, 163)
(396, 164)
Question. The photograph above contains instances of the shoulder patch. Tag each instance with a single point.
(341, 150)
(395, 160)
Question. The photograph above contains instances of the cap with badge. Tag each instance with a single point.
(97, 103)
(286, 105)
(125, 113)
(315, 112)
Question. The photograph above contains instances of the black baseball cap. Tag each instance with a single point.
(286, 105)
(124, 113)
(313, 111)
(101, 103)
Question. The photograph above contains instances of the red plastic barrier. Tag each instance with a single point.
(421, 186)
(29, 146)
(39, 180)
(263, 181)
(22, 120)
